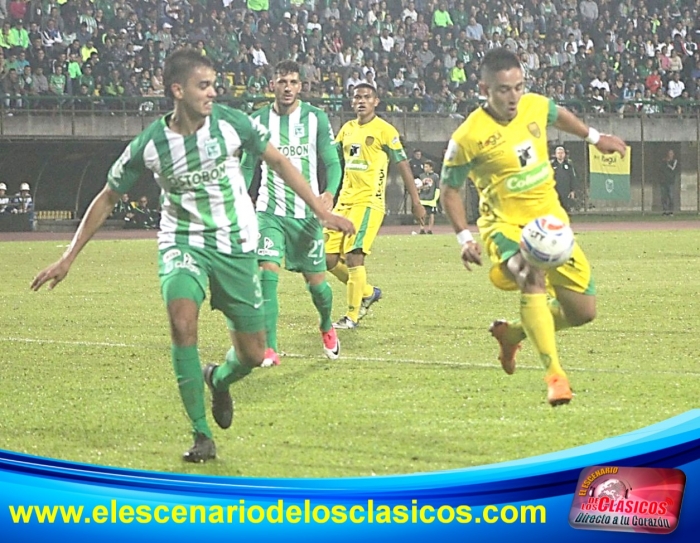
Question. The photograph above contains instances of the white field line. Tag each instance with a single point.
(413, 361)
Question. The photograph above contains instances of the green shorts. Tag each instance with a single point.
(234, 282)
(299, 241)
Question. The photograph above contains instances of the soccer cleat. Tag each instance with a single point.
(331, 344)
(558, 390)
(507, 351)
(203, 449)
(367, 302)
(271, 358)
(221, 401)
(345, 323)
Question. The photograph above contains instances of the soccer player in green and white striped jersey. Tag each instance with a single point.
(208, 232)
(288, 228)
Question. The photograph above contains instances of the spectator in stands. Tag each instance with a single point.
(4, 199)
(52, 37)
(19, 37)
(123, 208)
(143, 217)
(13, 91)
(22, 202)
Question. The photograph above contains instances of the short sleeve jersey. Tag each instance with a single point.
(302, 136)
(204, 199)
(508, 162)
(368, 149)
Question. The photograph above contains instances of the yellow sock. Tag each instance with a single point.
(538, 323)
(340, 270)
(516, 333)
(356, 285)
(560, 322)
(368, 291)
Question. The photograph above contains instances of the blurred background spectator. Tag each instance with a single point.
(622, 56)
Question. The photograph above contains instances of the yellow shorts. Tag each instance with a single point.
(502, 240)
(367, 222)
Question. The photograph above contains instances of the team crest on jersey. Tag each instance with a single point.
(299, 131)
(355, 149)
(212, 149)
(526, 154)
(534, 129)
(369, 141)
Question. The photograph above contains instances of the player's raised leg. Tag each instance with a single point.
(538, 324)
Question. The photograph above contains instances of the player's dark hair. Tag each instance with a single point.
(180, 65)
(365, 86)
(287, 67)
(498, 60)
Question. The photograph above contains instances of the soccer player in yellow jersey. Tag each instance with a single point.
(368, 144)
(502, 147)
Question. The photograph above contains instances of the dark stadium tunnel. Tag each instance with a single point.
(65, 175)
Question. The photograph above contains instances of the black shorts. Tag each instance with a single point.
(430, 210)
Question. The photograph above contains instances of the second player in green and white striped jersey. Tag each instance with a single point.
(203, 193)
(302, 136)
(288, 228)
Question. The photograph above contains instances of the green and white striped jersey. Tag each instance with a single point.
(204, 199)
(301, 136)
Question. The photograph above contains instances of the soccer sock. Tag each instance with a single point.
(516, 333)
(560, 322)
(269, 281)
(191, 384)
(356, 285)
(340, 270)
(322, 297)
(538, 323)
(230, 371)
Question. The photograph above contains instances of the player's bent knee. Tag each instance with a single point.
(270, 266)
(580, 318)
(332, 260)
(355, 258)
(251, 348)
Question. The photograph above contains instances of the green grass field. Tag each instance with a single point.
(86, 372)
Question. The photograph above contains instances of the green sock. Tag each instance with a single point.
(322, 296)
(191, 384)
(269, 281)
(230, 371)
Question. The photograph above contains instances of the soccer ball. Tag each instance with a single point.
(546, 242)
(418, 183)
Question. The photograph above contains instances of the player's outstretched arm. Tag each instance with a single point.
(409, 183)
(452, 203)
(100, 208)
(605, 143)
(294, 180)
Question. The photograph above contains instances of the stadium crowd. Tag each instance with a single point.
(621, 56)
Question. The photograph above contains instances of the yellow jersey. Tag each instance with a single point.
(508, 162)
(367, 149)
